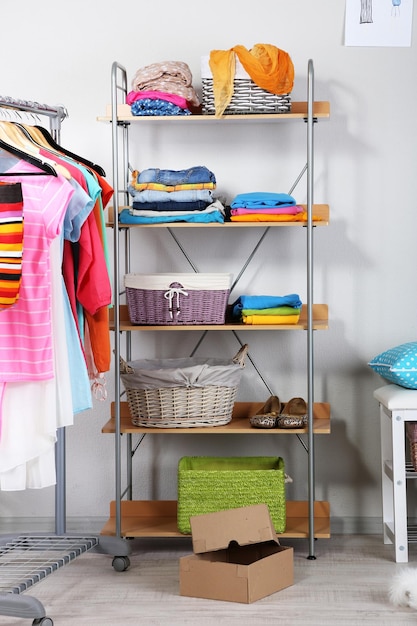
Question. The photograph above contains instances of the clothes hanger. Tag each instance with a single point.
(97, 168)
(24, 156)
(13, 136)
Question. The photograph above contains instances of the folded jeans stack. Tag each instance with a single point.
(173, 196)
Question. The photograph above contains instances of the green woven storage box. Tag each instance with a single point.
(210, 484)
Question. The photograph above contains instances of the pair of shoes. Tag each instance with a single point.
(293, 414)
(267, 415)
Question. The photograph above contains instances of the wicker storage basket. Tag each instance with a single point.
(247, 96)
(412, 439)
(210, 484)
(182, 393)
(170, 299)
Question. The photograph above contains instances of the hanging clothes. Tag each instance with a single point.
(44, 378)
(11, 243)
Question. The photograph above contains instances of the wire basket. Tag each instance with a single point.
(247, 98)
(210, 484)
(182, 393)
(177, 299)
(411, 429)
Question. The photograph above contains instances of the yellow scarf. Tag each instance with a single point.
(269, 67)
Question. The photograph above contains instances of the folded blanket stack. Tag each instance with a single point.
(173, 196)
(163, 89)
(268, 309)
(265, 206)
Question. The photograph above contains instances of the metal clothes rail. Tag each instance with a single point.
(56, 113)
(25, 560)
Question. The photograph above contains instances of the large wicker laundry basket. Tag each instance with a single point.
(182, 393)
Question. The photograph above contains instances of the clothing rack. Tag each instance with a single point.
(56, 114)
(38, 555)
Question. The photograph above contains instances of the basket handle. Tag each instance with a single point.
(125, 368)
(240, 356)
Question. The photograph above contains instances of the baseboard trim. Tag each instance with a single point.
(10, 525)
(76, 525)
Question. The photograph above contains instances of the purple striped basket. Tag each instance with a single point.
(184, 299)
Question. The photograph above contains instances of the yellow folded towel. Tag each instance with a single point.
(264, 217)
(270, 319)
(269, 67)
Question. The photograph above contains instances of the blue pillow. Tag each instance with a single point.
(398, 365)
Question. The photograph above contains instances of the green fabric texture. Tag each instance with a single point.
(209, 484)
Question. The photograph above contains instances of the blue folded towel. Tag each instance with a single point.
(265, 302)
(258, 199)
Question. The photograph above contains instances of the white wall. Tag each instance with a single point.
(58, 52)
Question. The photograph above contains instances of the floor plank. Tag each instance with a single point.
(346, 585)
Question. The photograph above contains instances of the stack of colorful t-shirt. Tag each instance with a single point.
(173, 196)
(268, 309)
(263, 206)
(163, 89)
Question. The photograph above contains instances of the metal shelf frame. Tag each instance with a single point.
(121, 166)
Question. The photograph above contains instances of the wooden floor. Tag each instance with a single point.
(345, 586)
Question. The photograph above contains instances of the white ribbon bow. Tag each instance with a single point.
(170, 295)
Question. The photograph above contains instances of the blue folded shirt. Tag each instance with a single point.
(258, 199)
(265, 302)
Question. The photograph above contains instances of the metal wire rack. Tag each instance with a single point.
(25, 561)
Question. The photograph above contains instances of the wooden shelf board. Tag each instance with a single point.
(320, 322)
(320, 211)
(321, 109)
(238, 426)
(149, 518)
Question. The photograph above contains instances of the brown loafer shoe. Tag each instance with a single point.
(293, 414)
(267, 415)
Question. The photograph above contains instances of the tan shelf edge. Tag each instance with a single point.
(320, 211)
(320, 322)
(321, 109)
(149, 518)
(238, 426)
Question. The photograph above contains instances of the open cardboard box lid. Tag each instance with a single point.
(245, 525)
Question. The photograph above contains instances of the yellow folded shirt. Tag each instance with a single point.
(280, 217)
(270, 319)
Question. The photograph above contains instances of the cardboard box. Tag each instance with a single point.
(237, 557)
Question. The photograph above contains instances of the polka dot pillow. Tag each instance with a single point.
(398, 365)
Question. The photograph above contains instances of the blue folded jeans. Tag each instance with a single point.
(197, 174)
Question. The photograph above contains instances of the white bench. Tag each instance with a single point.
(397, 406)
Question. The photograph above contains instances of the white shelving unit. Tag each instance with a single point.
(130, 518)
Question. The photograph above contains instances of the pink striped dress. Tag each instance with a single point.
(26, 348)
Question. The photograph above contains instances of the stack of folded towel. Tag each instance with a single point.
(268, 309)
(163, 89)
(173, 196)
(263, 206)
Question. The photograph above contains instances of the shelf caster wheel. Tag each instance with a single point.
(43, 621)
(121, 563)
